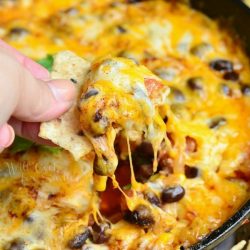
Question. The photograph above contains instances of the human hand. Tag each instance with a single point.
(28, 96)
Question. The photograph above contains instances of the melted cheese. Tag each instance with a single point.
(126, 99)
(37, 203)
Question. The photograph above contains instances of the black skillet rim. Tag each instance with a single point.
(230, 226)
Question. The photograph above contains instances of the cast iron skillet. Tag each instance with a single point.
(234, 12)
(237, 15)
(229, 227)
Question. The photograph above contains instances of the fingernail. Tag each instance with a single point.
(63, 90)
(7, 136)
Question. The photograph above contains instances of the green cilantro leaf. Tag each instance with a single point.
(49, 149)
(47, 62)
(20, 145)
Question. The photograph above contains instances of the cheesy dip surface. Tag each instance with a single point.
(201, 176)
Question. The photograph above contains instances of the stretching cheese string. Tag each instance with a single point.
(95, 211)
(116, 185)
(134, 183)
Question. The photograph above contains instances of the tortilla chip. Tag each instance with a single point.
(65, 131)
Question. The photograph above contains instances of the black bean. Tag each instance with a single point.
(134, 1)
(226, 90)
(143, 159)
(16, 244)
(129, 55)
(91, 92)
(52, 196)
(97, 116)
(71, 11)
(217, 122)
(18, 31)
(141, 216)
(29, 219)
(80, 133)
(114, 4)
(245, 89)
(165, 119)
(153, 198)
(221, 65)
(191, 172)
(99, 233)
(73, 80)
(79, 240)
(231, 76)
(178, 95)
(172, 194)
(101, 227)
(104, 157)
(145, 149)
(195, 83)
(166, 73)
(143, 172)
(121, 29)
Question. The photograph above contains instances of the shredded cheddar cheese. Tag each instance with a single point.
(119, 95)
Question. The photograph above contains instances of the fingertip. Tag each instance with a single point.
(7, 135)
(59, 100)
(44, 100)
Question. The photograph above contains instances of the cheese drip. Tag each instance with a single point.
(132, 200)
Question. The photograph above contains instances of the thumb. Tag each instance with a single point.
(42, 101)
(30, 99)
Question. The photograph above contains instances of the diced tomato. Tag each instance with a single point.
(110, 200)
(122, 173)
(153, 86)
(243, 175)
